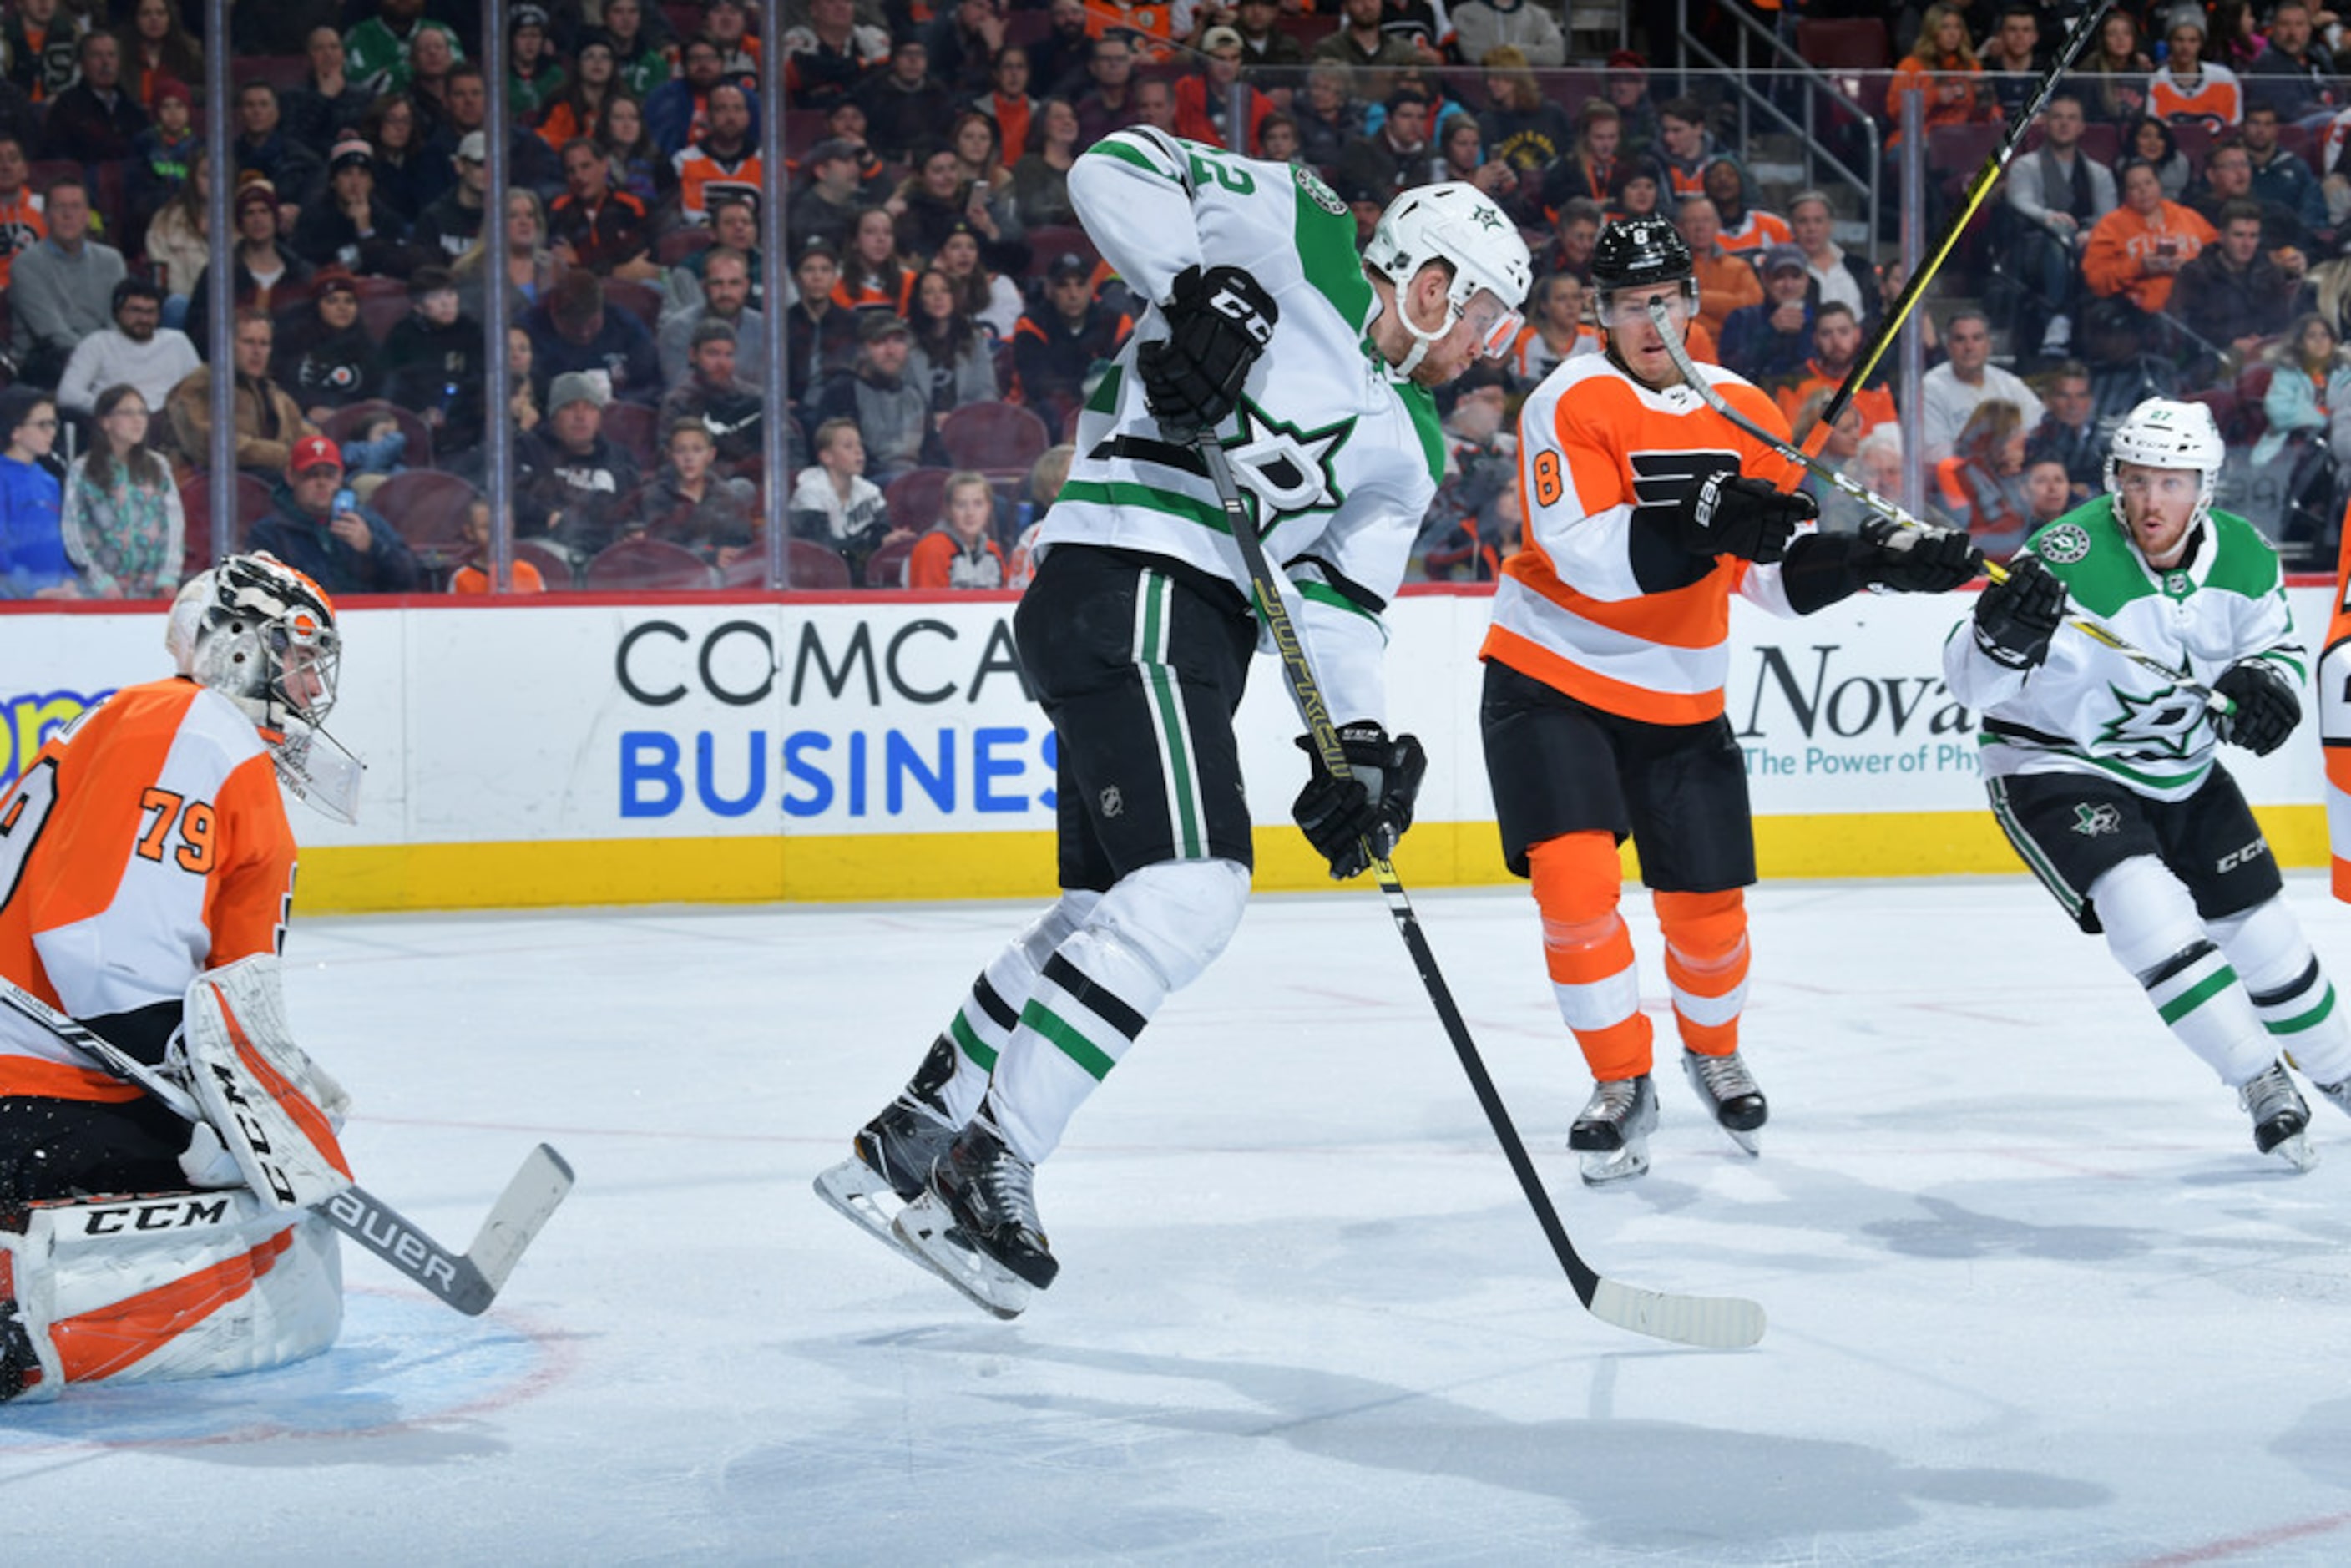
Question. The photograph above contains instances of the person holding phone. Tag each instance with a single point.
(321, 529)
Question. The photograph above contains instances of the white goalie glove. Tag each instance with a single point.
(271, 1114)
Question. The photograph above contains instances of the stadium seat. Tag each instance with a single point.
(254, 501)
(886, 568)
(280, 71)
(810, 564)
(2252, 386)
(652, 565)
(994, 437)
(640, 299)
(632, 427)
(346, 422)
(678, 244)
(554, 566)
(428, 509)
(1845, 43)
(1048, 243)
(915, 498)
(383, 303)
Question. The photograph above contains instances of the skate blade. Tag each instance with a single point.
(1605, 1168)
(2296, 1152)
(924, 1228)
(1748, 1142)
(871, 1204)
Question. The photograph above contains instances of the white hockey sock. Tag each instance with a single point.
(991, 1008)
(1150, 936)
(2290, 993)
(2153, 931)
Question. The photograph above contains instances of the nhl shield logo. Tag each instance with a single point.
(1113, 802)
(2062, 545)
(2092, 820)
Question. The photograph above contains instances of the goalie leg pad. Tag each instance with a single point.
(274, 1110)
(170, 1285)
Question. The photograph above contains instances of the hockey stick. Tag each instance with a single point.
(1709, 1322)
(1978, 188)
(2096, 630)
(469, 1281)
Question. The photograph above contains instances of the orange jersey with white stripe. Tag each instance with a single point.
(143, 846)
(1597, 449)
(2213, 93)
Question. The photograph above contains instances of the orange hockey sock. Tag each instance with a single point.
(1590, 953)
(1706, 964)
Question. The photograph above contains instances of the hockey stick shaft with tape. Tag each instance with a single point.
(1710, 1323)
(2097, 631)
(468, 1280)
(1978, 189)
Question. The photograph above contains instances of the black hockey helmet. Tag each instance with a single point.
(1639, 253)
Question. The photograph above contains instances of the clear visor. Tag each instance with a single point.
(1493, 326)
(1627, 308)
(316, 770)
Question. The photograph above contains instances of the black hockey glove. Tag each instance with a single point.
(2267, 709)
(2015, 620)
(1219, 323)
(1918, 560)
(1729, 514)
(1375, 803)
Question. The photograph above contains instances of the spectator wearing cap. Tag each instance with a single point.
(892, 412)
(820, 334)
(712, 391)
(1059, 347)
(726, 297)
(677, 110)
(1397, 153)
(575, 111)
(445, 230)
(328, 99)
(2190, 86)
(1482, 26)
(826, 207)
(268, 421)
(382, 48)
(354, 228)
(1770, 342)
(725, 156)
(905, 108)
(264, 147)
(433, 362)
(1627, 85)
(594, 226)
(96, 119)
(569, 476)
(60, 290)
(160, 154)
(1204, 99)
(346, 547)
(138, 348)
(264, 267)
(533, 76)
(571, 329)
(826, 58)
(325, 356)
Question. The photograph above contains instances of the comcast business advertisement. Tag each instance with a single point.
(553, 722)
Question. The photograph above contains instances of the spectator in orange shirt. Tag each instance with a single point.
(472, 573)
(1836, 344)
(1204, 99)
(1725, 283)
(1942, 66)
(1744, 228)
(2138, 249)
(958, 552)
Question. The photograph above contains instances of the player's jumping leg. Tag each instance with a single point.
(2153, 931)
(1589, 953)
(1706, 965)
(1150, 936)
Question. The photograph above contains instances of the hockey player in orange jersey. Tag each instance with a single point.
(146, 871)
(1603, 712)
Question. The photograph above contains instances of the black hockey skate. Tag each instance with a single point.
(1729, 1094)
(1613, 1130)
(2279, 1114)
(978, 1225)
(19, 1367)
(891, 1154)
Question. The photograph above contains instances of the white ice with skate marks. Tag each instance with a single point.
(2033, 1296)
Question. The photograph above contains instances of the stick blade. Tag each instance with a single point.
(1708, 1323)
(534, 1194)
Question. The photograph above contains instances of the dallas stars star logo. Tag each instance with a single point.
(1488, 218)
(1285, 472)
(2162, 724)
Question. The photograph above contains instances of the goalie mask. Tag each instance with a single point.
(265, 637)
(2163, 433)
(1453, 221)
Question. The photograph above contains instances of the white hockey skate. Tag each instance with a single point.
(1613, 1130)
(1730, 1096)
(2280, 1115)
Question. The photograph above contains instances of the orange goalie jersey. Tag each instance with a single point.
(144, 845)
(1597, 451)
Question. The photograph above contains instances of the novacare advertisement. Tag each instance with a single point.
(565, 752)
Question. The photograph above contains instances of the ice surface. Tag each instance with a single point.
(2034, 1297)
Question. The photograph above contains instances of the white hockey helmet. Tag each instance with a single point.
(1456, 223)
(2164, 433)
(265, 637)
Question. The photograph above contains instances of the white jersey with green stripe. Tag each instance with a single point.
(2087, 709)
(1336, 458)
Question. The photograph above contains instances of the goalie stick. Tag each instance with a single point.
(468, 1280)
(2090, 627)
(1709, 1322)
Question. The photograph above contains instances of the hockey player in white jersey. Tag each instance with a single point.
(1311, 366)
(2103, 774)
